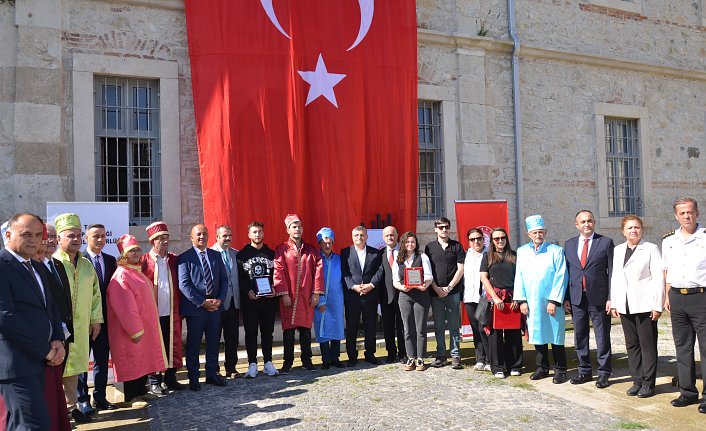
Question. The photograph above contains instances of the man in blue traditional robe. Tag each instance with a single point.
(328, 316)
(540, 285)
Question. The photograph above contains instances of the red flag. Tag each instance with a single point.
(307, 107)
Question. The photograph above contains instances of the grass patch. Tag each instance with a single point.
(495, 381)
(524, 385)
(526, 418)
(377, 399)
(630, 426)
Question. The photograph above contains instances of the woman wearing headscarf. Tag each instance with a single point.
(414, 301)
(134, 334)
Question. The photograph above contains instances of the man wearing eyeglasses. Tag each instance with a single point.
(446, 257)
(589, 261)
(540, 286)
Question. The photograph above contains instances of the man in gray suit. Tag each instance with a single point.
(230, 318)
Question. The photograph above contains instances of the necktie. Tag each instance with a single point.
(98, 267)
(226, 260)
(584, 255)
(54, 272)
(390, 257)
(28, 265)
(208, 277)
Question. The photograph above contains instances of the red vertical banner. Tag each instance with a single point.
(484, 215)
(307, 107)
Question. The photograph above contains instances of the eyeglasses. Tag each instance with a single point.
(443, 227)
(536, 232)
(476, 238)
(500, 238)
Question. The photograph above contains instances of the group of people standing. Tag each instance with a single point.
(58, 303)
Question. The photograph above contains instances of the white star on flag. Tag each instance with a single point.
(321, 83)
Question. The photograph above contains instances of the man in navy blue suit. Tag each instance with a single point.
(589, 260)
(105, 266)
(30, 326)
(203, 282)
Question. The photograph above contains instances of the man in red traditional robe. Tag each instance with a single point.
(160, 267)
(298, 281)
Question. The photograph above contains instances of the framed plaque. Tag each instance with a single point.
(263, 286)
(414, 277)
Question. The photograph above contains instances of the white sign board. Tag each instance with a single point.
(375, 239)
(115, 216)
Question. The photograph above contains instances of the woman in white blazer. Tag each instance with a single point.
(636, 296)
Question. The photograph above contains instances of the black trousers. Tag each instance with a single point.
(101, 352)
(393, 328)
(558, 353)
(230, 325)
(25, 404)
(134, 388)
(480, 338)
(355, 306)
(641, 343)
(259, 315)
(169, 375)
(505, 350)
(688, 313)
(304, 345)
(580, 315)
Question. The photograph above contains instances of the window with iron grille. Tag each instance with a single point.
(430, 198)
(127, 145)
(623, 166)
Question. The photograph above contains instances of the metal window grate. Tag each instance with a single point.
(430, 199)
(127, 145)
(623, 167)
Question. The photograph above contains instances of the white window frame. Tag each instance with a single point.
(84, 69)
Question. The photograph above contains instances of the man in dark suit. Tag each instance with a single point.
(362, 272)
(30, 326)
(59, 285)
(589, 260)
(391, 317)
(105, 266)
(203, 282)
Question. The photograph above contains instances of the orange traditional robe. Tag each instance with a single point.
(132, 312)
(300, 274)
(149, 268)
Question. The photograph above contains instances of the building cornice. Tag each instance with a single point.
(153, 4)
(429, 37)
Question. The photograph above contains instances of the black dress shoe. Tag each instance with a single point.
(325, 365)
(602, 382)
(559, 377)
(634, 389)
(175, 386)
(216, 381)
(539, 374)
(286, 368)
(104, 405)
(683, 401)
(581, 379)
(308, 366)
(338, 364)
(403, 360)
(391, 359)
(79, 417)
(702, 407)
(372, 360)
(195, 386)
(352, 363)
(646, 392)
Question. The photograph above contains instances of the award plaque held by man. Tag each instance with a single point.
(264, 288)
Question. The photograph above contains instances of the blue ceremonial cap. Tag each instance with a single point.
(534, 222)
(325, 232)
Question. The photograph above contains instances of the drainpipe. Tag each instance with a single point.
(516, 111)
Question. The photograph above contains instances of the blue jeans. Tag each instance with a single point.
(447, 314)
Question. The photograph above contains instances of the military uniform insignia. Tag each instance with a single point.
(668, 234)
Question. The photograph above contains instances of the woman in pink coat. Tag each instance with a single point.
(134, 332)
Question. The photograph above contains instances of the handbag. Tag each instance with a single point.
(482, 311)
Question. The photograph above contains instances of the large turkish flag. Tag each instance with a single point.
(307, 107)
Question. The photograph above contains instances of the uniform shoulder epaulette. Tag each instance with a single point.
(668, 234)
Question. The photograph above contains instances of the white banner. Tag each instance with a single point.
(115, 216)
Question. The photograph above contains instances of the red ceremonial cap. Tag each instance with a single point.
(156, 229)
(291, 218)
(126, 243)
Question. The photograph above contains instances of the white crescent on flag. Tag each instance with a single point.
(367, 9)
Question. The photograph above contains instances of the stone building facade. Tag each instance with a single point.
(581, 63)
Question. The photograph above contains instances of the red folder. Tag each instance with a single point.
(507, 318)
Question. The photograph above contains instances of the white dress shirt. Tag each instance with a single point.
(471, 276)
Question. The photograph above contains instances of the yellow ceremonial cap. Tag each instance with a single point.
(67, 221)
